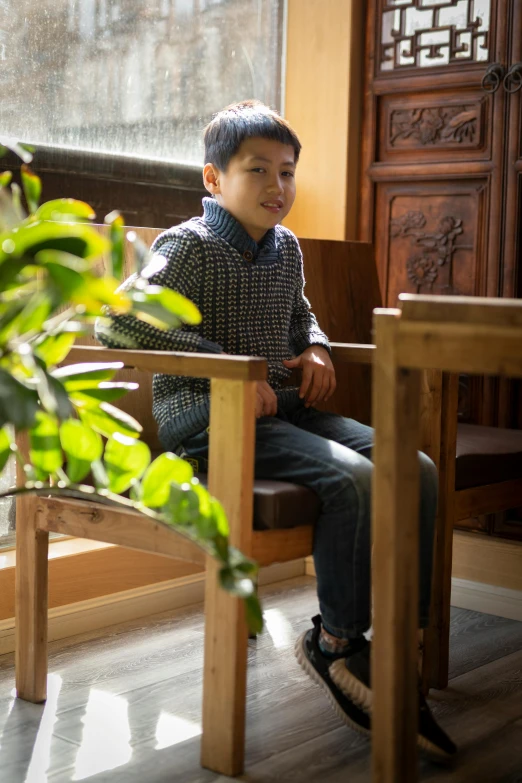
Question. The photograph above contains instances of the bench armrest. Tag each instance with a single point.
(193, 365)
(356, 353)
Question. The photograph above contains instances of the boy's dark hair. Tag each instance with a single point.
(245, 120)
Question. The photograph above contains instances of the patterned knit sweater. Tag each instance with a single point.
(251, 300)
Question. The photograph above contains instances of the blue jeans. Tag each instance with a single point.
(332, 456)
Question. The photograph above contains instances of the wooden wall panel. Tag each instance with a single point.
(324, 75)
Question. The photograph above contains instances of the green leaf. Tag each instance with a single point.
(10, 269)
(156, 482)
(32, 317)
(22, 414)
(67, 260)
(99, 475)
(54, 347)
(5, 448)
(237, 584)
(187, 512)
(95, 292)
(163, 307)
(125, 461)
(77, 377)
(80, 441)
(65, 210)
(219, 516)
(5, 179)
(221, 547)
(254, 615)
(206, 523)
(45, 452)
(115, 221)
(77, 239)
(82, 446)
(106, 392)
(32, 185)
(53, 396)
(142, 255)
(67, 280)
(108, 420)
(175, 303)
(241, 564)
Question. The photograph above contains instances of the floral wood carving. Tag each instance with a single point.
(435, 125)
(431, 250)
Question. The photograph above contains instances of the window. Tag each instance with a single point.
(133, 77)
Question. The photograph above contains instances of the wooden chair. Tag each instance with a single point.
(341, 283)
(480, 472)
(450, 334)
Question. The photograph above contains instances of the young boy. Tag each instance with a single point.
(244, 271)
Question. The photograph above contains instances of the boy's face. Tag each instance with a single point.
(258, 187)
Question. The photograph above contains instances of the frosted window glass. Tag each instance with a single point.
(133, 77)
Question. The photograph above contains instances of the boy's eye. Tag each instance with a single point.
(288, 173)
(259, 170)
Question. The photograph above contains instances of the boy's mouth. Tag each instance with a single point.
(273, 206)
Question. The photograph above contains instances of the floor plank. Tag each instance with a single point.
(125, 705)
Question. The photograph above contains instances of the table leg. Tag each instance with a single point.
(395, 562)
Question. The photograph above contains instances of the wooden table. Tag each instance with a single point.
(453, 334)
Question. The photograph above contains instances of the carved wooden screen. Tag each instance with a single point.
(433, 147)
(430, 33)
(442, 159)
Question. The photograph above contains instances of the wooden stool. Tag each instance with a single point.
(452, 334)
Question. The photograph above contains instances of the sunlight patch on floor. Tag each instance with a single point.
(278, 628)
(106, 735)
(41, 756)
(171, 730)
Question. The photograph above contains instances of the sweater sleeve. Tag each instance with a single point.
(178, 262)
(304, 328)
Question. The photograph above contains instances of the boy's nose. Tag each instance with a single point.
(276, 186)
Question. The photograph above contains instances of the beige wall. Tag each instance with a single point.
(324, 74)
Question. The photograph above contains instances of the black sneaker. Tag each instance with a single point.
(352, 677)
(430, 737)
(318, 666)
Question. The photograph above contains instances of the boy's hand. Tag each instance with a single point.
(318, 382)
(266, 400)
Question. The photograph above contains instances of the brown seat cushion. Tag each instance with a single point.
(487, 455)
(279, 504)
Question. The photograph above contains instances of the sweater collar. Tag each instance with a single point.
(228, 228)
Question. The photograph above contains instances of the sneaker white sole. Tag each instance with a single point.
(316, 677)
(351, 686)
(362, 696)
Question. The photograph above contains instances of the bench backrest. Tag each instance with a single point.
(343, 289)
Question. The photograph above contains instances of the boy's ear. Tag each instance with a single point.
(211, 178)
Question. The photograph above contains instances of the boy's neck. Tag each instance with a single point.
(253, 235)
(220, 220)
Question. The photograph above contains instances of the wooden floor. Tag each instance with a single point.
(125, 707)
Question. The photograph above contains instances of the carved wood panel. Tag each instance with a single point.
(439, 126)
(430, 245)
(433, 33)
